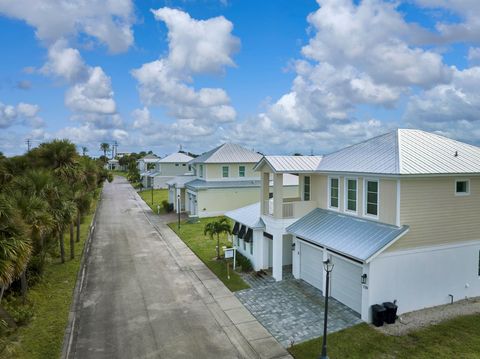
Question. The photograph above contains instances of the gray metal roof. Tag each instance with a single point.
(150, 158)
(176, 157)
(405, 152)
(201, 184)
(355, 237)
(228, 153)
(249, 216)
(291, 164)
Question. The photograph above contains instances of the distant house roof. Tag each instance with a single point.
(150, 158)
(354, 237)
(405, 152)
(179, 181)
(201, 184)
(228, 153)
(176, 157)
(292, 164)
(248, 216)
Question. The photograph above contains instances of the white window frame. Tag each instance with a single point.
(345, 195)
(461, 194)
(239, 172)
(228, 171)
(200, 171)
(251, 247)
(365, 204)
(329, 189)
(309, 188)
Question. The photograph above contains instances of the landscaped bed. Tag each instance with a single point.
(159, 195)
(50, 300)
(455, 338)
(205, 249)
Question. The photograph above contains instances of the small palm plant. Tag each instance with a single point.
(217, 228)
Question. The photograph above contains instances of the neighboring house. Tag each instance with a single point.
(146, 165)
(167, 168)
(398, 215)
(112, 165)
(177, 192)
(223, 180)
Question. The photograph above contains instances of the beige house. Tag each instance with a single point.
(397, 215)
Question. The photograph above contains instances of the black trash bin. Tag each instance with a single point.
(378, 315)
(391, 312)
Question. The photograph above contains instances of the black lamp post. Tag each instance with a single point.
(328, 266)
(178, 210)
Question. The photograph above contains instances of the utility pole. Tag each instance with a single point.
(114, 149)
(29, 144)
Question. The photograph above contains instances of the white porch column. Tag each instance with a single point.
(277, 260)
(296, 258)
(278, 195)
(264, 191)
(258, 249)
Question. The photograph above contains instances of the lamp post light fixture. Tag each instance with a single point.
(328, 267)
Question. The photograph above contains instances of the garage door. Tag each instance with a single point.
(346, 286)
(311, 265)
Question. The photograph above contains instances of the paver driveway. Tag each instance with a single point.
(145, 295)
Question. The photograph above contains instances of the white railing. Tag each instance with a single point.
(291, 208)
(268, 207)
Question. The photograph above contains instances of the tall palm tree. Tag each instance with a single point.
(105, 147)
(84, 151)
(217, 228)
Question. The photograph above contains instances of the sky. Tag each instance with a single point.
(277, 76)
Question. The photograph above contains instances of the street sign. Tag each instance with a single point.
(229, 253)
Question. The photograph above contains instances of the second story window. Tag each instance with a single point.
(333, 195)
(241, 171)
(224, 171)
(200, 171)
(306, 188)
(371, 194)
(462, 187)
(351, 196)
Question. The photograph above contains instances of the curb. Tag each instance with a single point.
(70, 328)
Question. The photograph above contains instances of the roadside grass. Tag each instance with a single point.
(455, 338)
(50, 299)
(119, 173)
(205, 249)
(159, 195)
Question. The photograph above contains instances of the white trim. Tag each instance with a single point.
(462, 194)
(365, 203)
(346, 259)
(329, 193)
(381, 250)
(438, 247)
(302, 187)
(345, 195)
(398, 219)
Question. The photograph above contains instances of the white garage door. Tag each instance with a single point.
(311, 265)
(346, 284)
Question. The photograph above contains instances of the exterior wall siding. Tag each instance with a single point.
(436, 215)
(214, 171)
(214, 202)
(169, 169)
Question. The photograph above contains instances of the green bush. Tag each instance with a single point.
(167, 207)
(244, 262)
(22, 313)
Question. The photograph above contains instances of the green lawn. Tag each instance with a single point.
(119, 173)
(456, 338)
(159, 195)
(51, 299)
(204, 248)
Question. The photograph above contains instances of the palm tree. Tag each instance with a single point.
(15, 249)
(84, 151)
(216, 228)
(105, 147)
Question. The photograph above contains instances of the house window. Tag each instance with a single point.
(462, 187)
(176, 164)
(371, 202)
(306, 188)
(251, 247)
(244, 245)
(224, 171)
(184, 164)
(479, 263)
(333, 192)
(200, 171)
(351, 195)
(241, 171)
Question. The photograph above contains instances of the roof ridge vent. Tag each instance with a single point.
(456, 154)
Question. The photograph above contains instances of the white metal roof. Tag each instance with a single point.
(354, 237)
(228, 153)
(176, 157)
(292, 164)
(248, 216)
(150, 158)
(405, 152)
(179, 181)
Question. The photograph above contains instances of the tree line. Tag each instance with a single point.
(43, 195)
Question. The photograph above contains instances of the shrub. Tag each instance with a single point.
(244, 262)
(167, 207)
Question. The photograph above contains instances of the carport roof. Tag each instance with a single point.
(248, 216)
(358, 238)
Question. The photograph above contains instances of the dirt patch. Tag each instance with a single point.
(412, 321)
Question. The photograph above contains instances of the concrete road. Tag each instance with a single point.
(145, 295)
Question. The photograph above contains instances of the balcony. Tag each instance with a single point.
(291, 208)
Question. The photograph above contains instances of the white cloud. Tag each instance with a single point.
(141, 118)
(474, 54)
(23, 113)
(108, 21)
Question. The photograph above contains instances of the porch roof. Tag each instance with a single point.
(248, 216)
(355, 237)
(201, 184)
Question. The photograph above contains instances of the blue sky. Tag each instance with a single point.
(278, 76)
